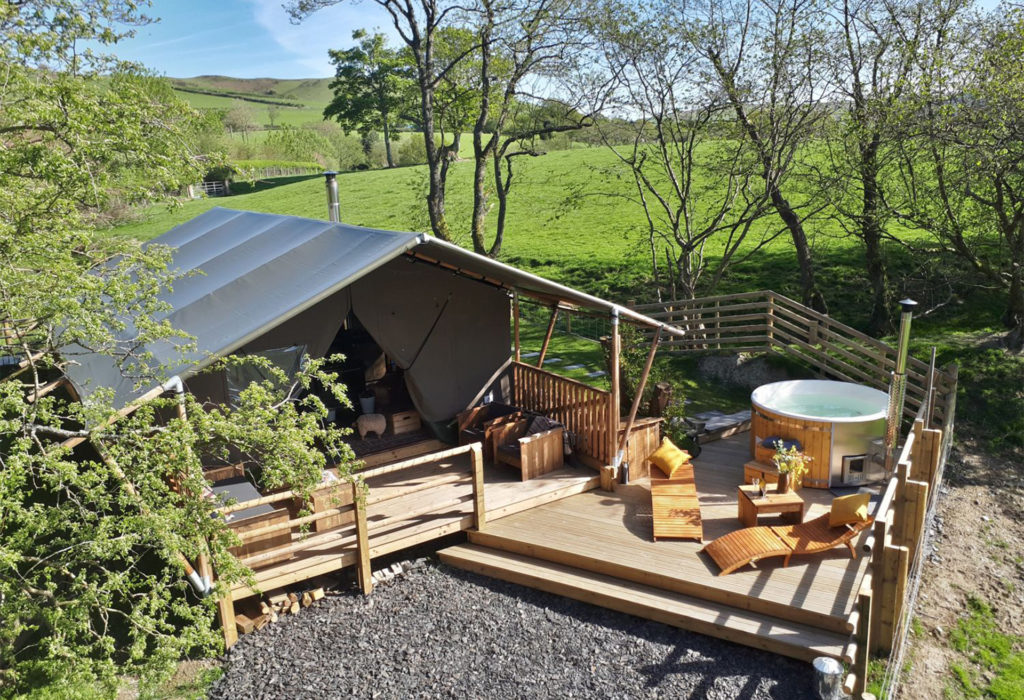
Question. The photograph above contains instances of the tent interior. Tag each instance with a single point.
(417, 341)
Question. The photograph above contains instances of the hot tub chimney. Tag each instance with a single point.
(898, 385)
(333, 207)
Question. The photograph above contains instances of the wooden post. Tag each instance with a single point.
(880, 535)
(770, 321)
(547, 337)
(915, 507)
(362, 541)
(660, 399)
(929, 394)
(856, 682)
(479, 512)
(895, 567)
(225, 606)
(718, 325)
(614, 398)
(640, 390)
(515, 323)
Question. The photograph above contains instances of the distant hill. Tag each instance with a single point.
(299, 101)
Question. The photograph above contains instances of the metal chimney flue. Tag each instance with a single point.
(333, 206)
(898, 385)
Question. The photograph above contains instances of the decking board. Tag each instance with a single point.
(749, 628)
(611, 533)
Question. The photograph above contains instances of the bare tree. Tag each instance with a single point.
(872, 57)
(962, 155)
(690, 167)
(517, 40)
(765, 57)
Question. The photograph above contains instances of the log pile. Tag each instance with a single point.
(256, 613)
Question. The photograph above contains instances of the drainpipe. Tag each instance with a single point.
(898, 385)
(202, 584)
(333, 206)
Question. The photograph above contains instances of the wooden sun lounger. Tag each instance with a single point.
(674, 505)
(750, 544)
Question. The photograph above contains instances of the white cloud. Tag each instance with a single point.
(330, 28)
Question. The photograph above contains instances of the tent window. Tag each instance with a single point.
(239, 377)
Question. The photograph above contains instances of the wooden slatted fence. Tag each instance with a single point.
(582, 409)
(765, 321)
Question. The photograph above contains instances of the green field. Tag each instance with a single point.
(598, 244)
(309, 96)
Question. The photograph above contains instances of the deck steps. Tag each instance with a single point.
(639, 572)
(713, 619)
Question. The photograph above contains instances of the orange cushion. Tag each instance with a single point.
(847, 510)
(668, 458)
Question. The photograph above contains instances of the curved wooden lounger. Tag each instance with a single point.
(751, 544)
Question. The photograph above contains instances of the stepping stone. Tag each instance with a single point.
(529, 354)
(552, 360)
(576, 366)
(598, 373)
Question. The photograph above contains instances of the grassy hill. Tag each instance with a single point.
(299, 101)
(565, 222)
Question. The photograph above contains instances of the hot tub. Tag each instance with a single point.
(835, 423)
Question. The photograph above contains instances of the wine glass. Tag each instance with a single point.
(757, 484)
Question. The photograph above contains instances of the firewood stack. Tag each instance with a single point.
(256, 613)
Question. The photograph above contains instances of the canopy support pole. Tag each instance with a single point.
(515, 322)
(615, 397)
(547, 338)
(639, 395)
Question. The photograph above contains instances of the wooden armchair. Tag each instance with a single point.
(532, 445)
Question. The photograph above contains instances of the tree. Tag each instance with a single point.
(962, 156)
(517, 40)
(91, 585)
(766, 57)
(873, 66)
(419, 24)
(240, 118)
(691, 177)
(372, 87)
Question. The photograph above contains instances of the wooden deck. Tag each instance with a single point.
(598, 546)
(412, 506)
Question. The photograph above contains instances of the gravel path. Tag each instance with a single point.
(441, 632)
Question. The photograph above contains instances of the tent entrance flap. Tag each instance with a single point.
(448, 333)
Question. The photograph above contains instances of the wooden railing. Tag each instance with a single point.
(765, 321)
(582, 409)
(433, 518)
(881, 618)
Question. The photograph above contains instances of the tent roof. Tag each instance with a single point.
(248, 272)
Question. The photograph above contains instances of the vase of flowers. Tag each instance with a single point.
(792, 465)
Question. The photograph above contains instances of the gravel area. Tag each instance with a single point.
(441, 632)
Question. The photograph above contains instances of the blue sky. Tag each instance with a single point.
(246, 38)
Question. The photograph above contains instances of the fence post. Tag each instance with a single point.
(718, 322)
(479, 513)
(362, 541)
(896, 562)
(770, 321)
(857, 681)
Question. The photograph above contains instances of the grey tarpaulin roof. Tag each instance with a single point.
(259, 270)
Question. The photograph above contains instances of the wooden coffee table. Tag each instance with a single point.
(751, 504)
